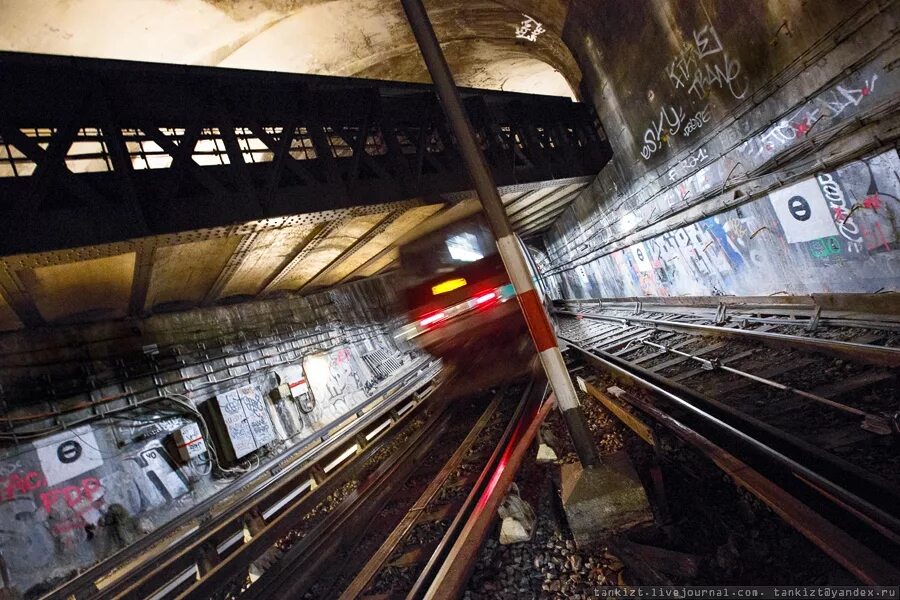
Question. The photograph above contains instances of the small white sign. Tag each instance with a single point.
(641, 258)
(68, 454)
(803, 212)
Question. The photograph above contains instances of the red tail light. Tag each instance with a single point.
(484, 298)
(432, 319)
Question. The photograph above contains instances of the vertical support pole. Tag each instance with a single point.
(510, 252)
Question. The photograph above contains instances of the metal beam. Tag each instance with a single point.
(140, 281)
(529, 216)
(561, 196)
(152, 116)
(376, 229)
(17, 297)
(544, 222)
(231, 266)
(312, 241)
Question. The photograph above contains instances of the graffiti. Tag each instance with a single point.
(701, 65)
(705, 63)
(20, 483)
(836, 101)
(733, 233)
(825, 247)
(796, 239)
(660, 131)
(840, 207)
(529, 29)
(76, 497)
(697, 121)
(686, 166)
(141, 430)
(829, 106)
(246, 420)
(155, 476)
(338, 381)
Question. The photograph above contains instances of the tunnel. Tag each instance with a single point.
(486, 299)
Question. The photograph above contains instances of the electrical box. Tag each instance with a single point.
(189, 441)
(241, 422)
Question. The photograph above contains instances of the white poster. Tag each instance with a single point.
(68, 454)
(803, 212)
(641, 258)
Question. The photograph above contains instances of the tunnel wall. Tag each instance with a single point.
(72, 495)
(754, 150)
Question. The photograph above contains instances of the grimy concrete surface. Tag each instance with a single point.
(362, 38)
(604, 501)
(263, 375)
(754, 150)
(755, 153)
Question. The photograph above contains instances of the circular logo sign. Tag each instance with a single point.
(799, 208)
(68, 452)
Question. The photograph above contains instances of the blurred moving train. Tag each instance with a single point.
(456, 289)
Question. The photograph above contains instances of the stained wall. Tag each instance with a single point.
(754, 150)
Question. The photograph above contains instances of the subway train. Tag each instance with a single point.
(460, 303)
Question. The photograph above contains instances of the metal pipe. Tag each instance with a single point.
(510, 252)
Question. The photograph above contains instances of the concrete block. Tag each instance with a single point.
(603, 501)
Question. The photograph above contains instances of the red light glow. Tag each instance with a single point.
(432, 319)
(484, 298)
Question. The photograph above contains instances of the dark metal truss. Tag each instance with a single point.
(97, 151)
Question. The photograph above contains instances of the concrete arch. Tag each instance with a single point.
(367, 38)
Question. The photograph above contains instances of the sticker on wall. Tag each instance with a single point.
(68, 454)
(803, 212)
(641, 257)
(246, 420)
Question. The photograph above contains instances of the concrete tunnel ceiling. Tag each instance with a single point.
(364, 38)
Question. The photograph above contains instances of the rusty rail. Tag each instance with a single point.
(379, 560)
(796, 479)
(876, 355)
(454, 572)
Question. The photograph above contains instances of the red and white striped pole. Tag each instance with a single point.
(513, 259)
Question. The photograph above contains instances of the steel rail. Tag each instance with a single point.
(216, 574)
(293, 573)
(281, 471)
(867, 564)
(378, 561)
(777, 449)
(876, 355)
(871, 422)
(457, 565)
(485, 486)
(881, 304)
(795, 315)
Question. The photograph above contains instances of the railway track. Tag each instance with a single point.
(231, 527)
(797, 404)
(404, 564)
(446, 506)
(450, 460)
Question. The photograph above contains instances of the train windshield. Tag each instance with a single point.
(457, 245)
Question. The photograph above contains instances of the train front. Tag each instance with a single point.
(460, 303)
